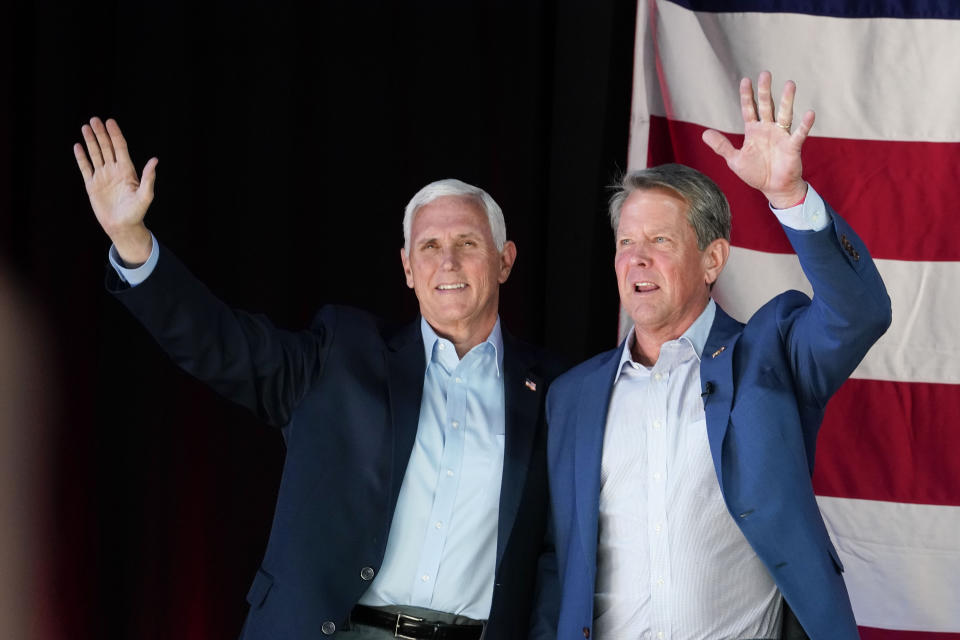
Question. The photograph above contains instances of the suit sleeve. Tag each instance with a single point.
(826, 338)
(242, 356)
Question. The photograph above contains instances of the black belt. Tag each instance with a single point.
(413, 628)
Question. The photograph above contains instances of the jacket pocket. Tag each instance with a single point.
(262, 583)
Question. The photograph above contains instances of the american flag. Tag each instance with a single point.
(884, 79)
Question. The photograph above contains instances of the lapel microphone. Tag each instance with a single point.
(707, 389)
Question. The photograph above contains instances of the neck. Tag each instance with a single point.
(465, 336)
(647, 341)
(646, 349)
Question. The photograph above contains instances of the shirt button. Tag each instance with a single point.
(660, 582)
(454, 424)
(657, 424)
(660, 635)
(459, 379)
(658, 527)
(328, 628)
(425, 578)
(439, 525)
(656, 476)
(449, 473)
(367, 573)
(441, 346)
(657, 377)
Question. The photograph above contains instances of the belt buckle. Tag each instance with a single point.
(396, 627)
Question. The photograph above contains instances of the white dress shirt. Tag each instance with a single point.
(671, 561)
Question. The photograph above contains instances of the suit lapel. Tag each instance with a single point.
(405, 369)
(522, 407)
(716, 369)
(591, 421)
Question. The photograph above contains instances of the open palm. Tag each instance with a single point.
(118, 197)
(769, 159)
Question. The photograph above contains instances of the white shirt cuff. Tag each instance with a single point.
(810, 215)
(135, 276)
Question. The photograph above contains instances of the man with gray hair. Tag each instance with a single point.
(680, 462)
(413, 500)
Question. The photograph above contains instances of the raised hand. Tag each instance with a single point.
(119, 198)
(769, 159)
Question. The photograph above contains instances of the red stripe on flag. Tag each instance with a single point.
(891, 441)
(870, 633)
(901, 197)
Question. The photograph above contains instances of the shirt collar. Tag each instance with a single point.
(696, 335)
(430, 340)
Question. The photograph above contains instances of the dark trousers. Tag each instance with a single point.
(791, 629)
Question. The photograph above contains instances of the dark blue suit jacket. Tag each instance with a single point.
(769, 384)
(346, 396)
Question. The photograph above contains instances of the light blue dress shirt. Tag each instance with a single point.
(441, 551)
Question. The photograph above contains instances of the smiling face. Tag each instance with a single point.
(663, 277)
(455, 269)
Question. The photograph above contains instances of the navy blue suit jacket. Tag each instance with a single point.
(346, 396)
(769, 384)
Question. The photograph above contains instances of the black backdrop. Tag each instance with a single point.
(289, 141)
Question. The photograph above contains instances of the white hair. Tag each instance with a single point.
(458, 188)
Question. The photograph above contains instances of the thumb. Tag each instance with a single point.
(719, 143)
(145, 190)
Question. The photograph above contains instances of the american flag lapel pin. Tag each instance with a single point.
(530, 384)
(718, 352)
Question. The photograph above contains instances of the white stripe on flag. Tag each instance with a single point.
(833, 60)
(920, 345)
(901, 562)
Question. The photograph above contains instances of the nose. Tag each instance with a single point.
(449, 261)
(639, 256)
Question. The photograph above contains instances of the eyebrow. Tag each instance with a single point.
(473, 235)
(660, 231)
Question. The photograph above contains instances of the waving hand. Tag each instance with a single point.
(118, 197)
(769, 159)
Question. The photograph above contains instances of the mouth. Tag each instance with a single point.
(452, 287)
(644, 286)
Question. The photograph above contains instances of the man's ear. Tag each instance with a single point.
(407, 270)
(714, 259)
(507, 257)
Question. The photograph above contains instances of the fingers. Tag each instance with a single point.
(93, 147)
(803, 129)
(118, 142)
(764, 99)
(785, 112)
(145, 190)
(106, 148)
(748, 108)
(86, 170)
(719, 143)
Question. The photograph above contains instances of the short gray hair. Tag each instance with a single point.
(457, 188)
(708, 210)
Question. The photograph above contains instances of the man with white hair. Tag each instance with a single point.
(413, 500)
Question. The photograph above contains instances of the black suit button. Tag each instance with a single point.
(367, 573)
(586, 632)
(328, 628)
